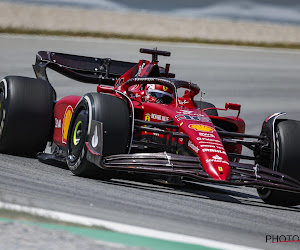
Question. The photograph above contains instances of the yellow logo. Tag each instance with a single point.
(66, 123)
(220, 169)
(199, 127)
(165, 88)
(147, 117)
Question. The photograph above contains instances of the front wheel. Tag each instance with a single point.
(287, 158)
(113, 113)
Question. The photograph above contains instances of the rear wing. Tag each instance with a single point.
(80, 68)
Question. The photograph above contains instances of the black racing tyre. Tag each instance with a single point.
(204, 105)
(26, 115)
(287, 158)
(114, 114)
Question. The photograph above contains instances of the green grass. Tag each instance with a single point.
(146, 38)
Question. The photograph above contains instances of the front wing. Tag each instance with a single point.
(190, 167)
(164, 163)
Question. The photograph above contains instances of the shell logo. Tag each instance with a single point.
(200, 127)
(66, 123)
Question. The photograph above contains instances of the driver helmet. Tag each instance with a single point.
(157, 93)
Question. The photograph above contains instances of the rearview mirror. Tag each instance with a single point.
(233, 106)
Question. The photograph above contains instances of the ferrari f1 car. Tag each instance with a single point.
(143, 120)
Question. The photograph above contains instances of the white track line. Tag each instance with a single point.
(123, 228)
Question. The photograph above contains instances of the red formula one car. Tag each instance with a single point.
(138, 122)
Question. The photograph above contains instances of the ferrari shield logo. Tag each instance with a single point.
(147, 117)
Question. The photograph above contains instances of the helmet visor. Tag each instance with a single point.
(162, 96)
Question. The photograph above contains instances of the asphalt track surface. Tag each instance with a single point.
(264, 81)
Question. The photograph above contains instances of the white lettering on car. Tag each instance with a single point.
(217, 159)
(206, 135)
(207, 146)
(193, 147)
(57, 123)
(183, 102)
(210, 150)
(160, 117)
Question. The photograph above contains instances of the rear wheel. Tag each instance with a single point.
(26, 115)
(287, 158)
(113, 113)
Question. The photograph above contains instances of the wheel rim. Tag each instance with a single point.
(76, 141)
(264, 193)
(77, 133)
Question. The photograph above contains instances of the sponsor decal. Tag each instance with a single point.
(210, 150)
(217, 145)
(193, 147)
(135, 87)
(160, 117)
(151, 86)
(140, 69)
(186, 112)
(200, 127)
(217, 159)
(183, 102)
(165, 88)
(207, 146)
(147, 117)
(57, 123)
(193, 117)
(220, 169)
(66, 123)
(207, 135)
(208, 140)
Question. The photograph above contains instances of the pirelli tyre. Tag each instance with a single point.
(204, 105)
(287, 158)
(113, 113)
(26, 115)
